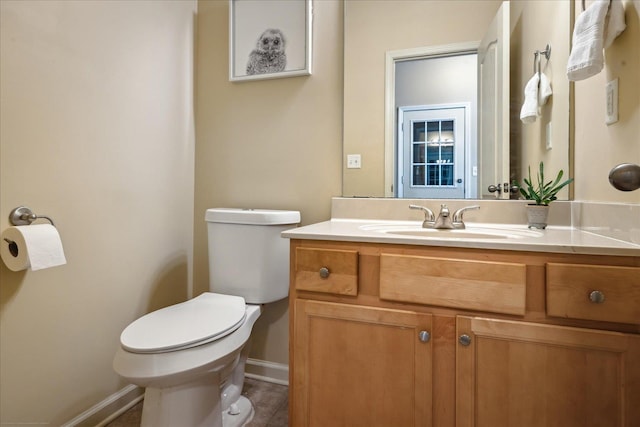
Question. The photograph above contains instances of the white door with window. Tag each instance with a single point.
(431, 155)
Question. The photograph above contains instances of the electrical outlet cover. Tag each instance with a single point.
(354, 161)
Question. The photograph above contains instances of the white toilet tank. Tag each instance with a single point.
(247, 256)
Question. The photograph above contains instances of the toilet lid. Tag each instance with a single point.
(203, 319)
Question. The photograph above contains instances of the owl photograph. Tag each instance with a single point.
(269, 56)
(269, 39)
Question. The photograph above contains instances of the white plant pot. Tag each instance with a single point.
(537, 216)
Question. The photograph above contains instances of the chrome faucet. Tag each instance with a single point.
(445, 220)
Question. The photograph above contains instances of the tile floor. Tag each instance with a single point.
(270, 401)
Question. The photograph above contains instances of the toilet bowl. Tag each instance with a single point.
(191, 356)
(196, 384)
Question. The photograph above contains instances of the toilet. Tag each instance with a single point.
(191, 356)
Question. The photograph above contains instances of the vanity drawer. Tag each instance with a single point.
(497, 287)
(594, 292)
(333, 271)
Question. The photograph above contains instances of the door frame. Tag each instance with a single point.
(390, 119)
(399, 151)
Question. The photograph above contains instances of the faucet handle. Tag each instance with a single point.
(428, 213)
(457, 215)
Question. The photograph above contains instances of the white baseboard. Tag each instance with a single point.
(110, 408)
(263, 370)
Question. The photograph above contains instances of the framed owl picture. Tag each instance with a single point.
(269, 39)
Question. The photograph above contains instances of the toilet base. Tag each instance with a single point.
(193, 406)
(243, 411)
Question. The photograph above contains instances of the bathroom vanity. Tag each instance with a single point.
(399, 330)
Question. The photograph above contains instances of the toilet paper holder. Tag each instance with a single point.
(22, 215)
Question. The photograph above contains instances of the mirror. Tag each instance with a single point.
(404, 30)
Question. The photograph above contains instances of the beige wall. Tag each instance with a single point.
(273, 144)
(97, 132)
(599, 147)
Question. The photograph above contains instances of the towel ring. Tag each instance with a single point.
(536, 58)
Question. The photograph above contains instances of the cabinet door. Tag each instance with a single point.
(523, 374)
(360, 366)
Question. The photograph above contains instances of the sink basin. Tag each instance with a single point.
(471, 232)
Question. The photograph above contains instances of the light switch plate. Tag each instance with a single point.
(612, 102)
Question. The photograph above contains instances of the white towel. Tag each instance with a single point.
(594, 30)
(586, 58)
(529, 111)
(536, 92)
(544, 90)
(614, 23)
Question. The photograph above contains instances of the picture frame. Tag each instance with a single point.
(269, 39)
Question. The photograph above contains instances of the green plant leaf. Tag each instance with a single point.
(543, 192)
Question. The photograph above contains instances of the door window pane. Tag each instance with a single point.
(446, 177)
(433, 153)
(433, 177)
(447, 153)
(433, 131)
(446, 134)
(418, 175)
(418, 153)
(418, 131)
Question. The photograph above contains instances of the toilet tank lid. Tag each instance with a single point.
(252, 216)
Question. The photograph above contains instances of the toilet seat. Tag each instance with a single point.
(201, 320)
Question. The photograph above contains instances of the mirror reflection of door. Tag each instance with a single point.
(432, 156)
(493, 121)
(438, 80)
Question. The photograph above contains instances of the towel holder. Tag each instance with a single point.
(22, 215)
(536, 58)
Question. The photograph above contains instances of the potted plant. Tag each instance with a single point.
(542, 194)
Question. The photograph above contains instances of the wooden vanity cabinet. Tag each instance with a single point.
(360, 366)
(512, 373)
(397, 335)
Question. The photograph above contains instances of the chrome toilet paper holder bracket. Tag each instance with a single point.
(22, 215)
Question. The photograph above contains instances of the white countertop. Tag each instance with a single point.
(557, 239)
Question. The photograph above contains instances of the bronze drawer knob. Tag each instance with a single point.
(324, 272)
(596, 297)
(464, 340)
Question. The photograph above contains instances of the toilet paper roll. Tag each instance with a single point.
(31, 246)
